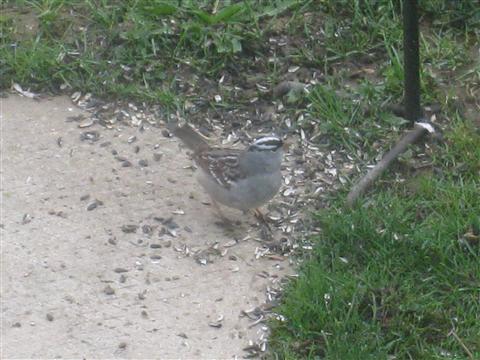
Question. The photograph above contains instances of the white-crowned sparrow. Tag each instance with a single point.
(240, 179)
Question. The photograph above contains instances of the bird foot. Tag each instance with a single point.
(259, 215)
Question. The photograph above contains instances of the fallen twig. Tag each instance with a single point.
(462, 344)
(411, 137)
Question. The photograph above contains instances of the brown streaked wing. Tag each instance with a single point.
(221, 164)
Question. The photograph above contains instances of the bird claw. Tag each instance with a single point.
(261, 217)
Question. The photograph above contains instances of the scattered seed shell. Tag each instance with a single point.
(26, 219)
(230, 243)
(108, 290)
(129, 228)
(86, 123)
(217, 323)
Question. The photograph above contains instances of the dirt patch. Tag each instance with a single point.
(25, 23)
(109, 249)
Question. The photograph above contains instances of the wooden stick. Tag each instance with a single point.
(462, 344)
(409, 138)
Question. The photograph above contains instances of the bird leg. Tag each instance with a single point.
(259, 215)
(220, 213)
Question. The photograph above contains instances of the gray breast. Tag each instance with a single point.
(247, 193)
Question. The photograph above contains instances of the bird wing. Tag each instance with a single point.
(221, 164)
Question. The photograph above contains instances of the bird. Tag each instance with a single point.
(242, 179)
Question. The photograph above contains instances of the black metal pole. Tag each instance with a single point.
(413, 111)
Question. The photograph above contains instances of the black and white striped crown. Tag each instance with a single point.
(266, 143)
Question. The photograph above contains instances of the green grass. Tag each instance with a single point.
(347, 121)
(396, 275)
(134, 49)
(103, 47)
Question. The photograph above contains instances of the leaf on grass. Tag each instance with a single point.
(277, 8)
(159, 9)
(223, 16)
(236, 45)
(205, 17)
(227, 13)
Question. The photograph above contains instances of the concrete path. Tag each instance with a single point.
(104, 260)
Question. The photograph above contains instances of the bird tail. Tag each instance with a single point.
(191, 138)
